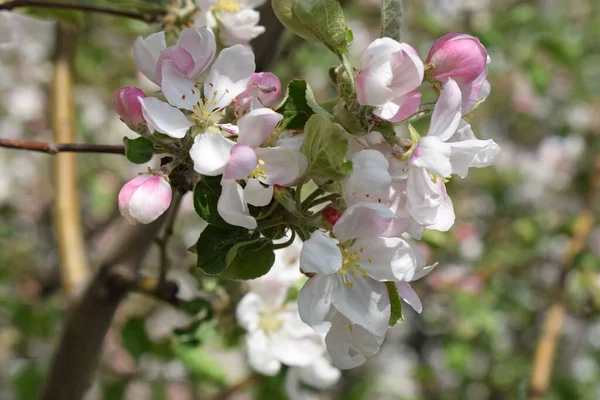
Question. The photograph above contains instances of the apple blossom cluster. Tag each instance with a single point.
(346, 181)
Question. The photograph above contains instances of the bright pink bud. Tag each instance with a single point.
(458, 56)
(145, 198)
(127, 104)
(330, 215)
(263, 89)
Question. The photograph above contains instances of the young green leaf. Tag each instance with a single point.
(206, 197)
(325, 146)
(251, 261)
(396, 304)
(214, 244)
(139, 150)
(298, 105)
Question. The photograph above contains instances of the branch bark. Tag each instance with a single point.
(543, 360)
(69, 235)
(54, 148)
(149, 18)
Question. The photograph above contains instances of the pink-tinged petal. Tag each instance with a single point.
(281, 165)
(446, 112)
(127, 105)
(232, 207)
(400, 108)
(475, 91)
(242, 162)
(264, 88)
(126, 192)
(363, 220)
(178, 89)
(228, 76)
(256, 194)
(457, 56)
(256, 126)
(427, 200)
(320, 254)
(433, 155)
(229, 128)
(164, 118)
(147, 51)
(408, 70)
(410, 297)
(181, 59)
(210, 153)
(365, 302)
(372, 85)
(200, 43)
(379, 49)
(151, 199)
(445, 213)
(472, 153)
(315, 299)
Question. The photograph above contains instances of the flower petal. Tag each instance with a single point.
(400, 108)
(256, 126)
(387, 259)
(248, 311)
(200, 43)
(363, 220)
(281, 165)
(433, 155)
(472, 153)
(181, 60)
(178, 88)
(260, 357)
(228, 76)
(320, 254)
(242, 162)
(410, 297)
(232, 207)
(256, 194)
(164, 118)
(315, 299)
(446, 112)
(369, 177)
(150, 200)
(147, 51)
(210, 153)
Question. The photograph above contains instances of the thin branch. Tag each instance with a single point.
(54, 148)
(149, 18)
(543, 359)
(67, 215)
(242, 385)
(163, 241)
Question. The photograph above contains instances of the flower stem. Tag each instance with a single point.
(54, 148)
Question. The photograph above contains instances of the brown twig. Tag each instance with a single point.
(166, 236)
(543, 359)
(67, 216)
(242, 385)
(149, 18)
(54, 148)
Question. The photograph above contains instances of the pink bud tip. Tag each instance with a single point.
(128, 106)
(458, 56)
(330, 215)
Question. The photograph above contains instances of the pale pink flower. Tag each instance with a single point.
(127, 104)
(145, 198)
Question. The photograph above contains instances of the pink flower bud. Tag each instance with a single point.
(330, 216)
(458, 56)
(127, 104)
(263, 89)
(145, 198)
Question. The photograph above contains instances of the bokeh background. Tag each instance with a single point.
(500, 266)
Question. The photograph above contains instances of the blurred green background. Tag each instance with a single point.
(499, 266)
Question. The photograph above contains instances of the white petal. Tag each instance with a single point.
(164, 118)
(320, 374)
(248, 311)
(297, 351)
(472, 153)
(256, 194)
(365, 302)
(315, 298)
(447, 112)
(256, 126)
(320, 254)
(363, 220)
(369, 177)
(232, 207)
(228, 76)
(410, 297)
(210, 153)
(282, 165)
(201, 45)
(259, 355)
(433, 155)
(427, 201)
(147, 51)
(150, 200)
(387, 259)
(178, 89)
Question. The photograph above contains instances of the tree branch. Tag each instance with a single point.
(541, 370)
(54, 148)
(67, 216)
(149, 18)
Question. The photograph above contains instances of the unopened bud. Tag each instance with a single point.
(145, 198)
(457, 56)
(127, 104)
(330, 216)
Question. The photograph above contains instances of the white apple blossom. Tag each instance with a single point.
(350, 269)
(320, 374)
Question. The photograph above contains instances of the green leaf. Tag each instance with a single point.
(396, 304)
(206, 196)
(298, 105)
(135, 338)
(320, 21)
(391, 19)
(139, 150)
(199, 363)
(251, 261)
(325, 146)
(214, 244)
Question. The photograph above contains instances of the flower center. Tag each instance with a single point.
(228, 5)
(269, 322)
(350, 265)
(259, 171)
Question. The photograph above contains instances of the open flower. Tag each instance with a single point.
(449, 148)
(350, 270)
(391, 73)
(264, 88)
(145, 198)
(194, 51)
